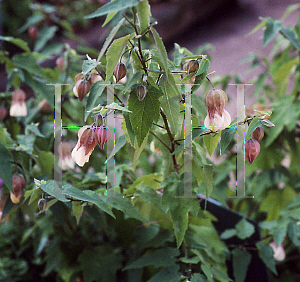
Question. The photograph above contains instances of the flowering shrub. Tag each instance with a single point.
(130, 215)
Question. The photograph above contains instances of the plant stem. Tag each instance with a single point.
(175, 165)
(160, 140)
(211, 83)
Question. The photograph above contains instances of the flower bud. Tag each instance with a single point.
(79, 76)
(119, 71)
(216, 100)
(88, 140)
(61, 64)
(192, 66)
(258, 133)
(42, 203)
(141, 92)
(94, 78)
(278, 252)
(85, 145)
(18, 183)
(3, 113)
(33, 32)
(18, 106)
(98, 120)
(252, 149)
(44, 107)
(103, 134)
(83, 88)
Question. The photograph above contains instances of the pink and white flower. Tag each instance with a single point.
(85, 145)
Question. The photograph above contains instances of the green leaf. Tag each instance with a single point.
(211, 142)
(265, 252)
(114, 53)
(219, 273)
(228, 233)
(204, 65)
(46, 162)
(197, 277)
(168, 274)
(170, 105)
(267, 123)
(292, 37)
(209, 180)
(124, 205)
(34, 128)
(206, 268)
(25, 143)
(199, 79)
(226, 138)
(198, 105)
(149, 195)
(116, 106)
(28, 63)
(16, 41)
(272, 27)
(282, 75)
(256, 122)
(120, 143)
(160, 258)
(144, 112)
(113, 6)
(144, 14)
(88, 65)
(99, 258)
(240, 260)
(110, 38)
(289, 10)
(161, 50)
(177, 207)
(244, 229)
(40, 87)
(138, 150)
(77, 209)
(95, 92)
(45, 34)
(5, 167)
(127, 128)
(87, 196)
(51, 188)
(294, 233)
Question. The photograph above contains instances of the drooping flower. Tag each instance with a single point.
(216, 100)
(3, 113)
(252, 149)
(65, 160)
(85, 145)
(279, 253)
(103, 134)
(217, 117)
(18, 106)
(217, 122)
(18, 184)
(258, 133)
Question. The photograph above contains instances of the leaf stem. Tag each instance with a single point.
(175, 165)
(160, 140)
(211, 83)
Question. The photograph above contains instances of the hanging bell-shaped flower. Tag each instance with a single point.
(119, 71)
(102, 134)
(141, 92)
(258, 133)
(216, 100)
(252, 149)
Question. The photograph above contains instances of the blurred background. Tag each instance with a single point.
(223, 24)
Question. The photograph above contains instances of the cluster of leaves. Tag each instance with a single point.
(145, 232)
